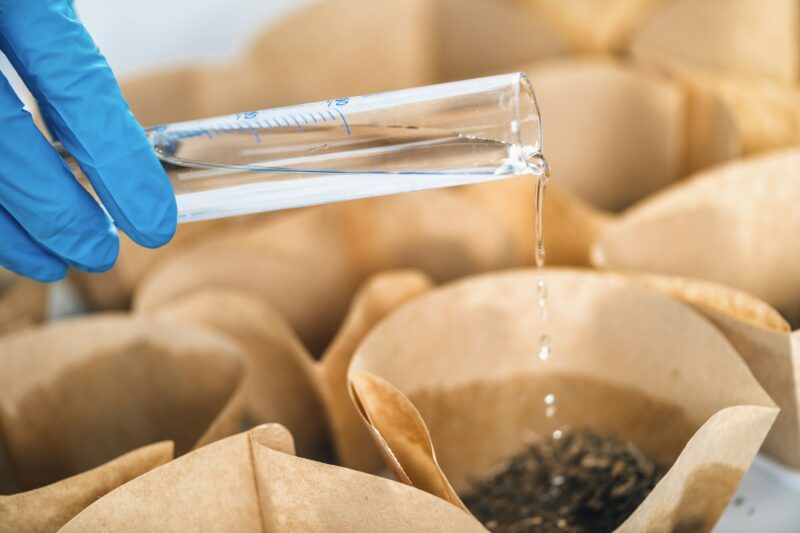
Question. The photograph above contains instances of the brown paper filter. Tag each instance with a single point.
(451, 386)
(308, 264)
(379, 295)
(473, 37)
(300, 265)
(765, 342)
(765, 112)
(253, 482)
(281, 382)
(597, 26)
(83, 392)
(735, 224)
(616, 133)
(22, 302)
(112, 290)
(754, 38)
(47, 508)
(717, 298)
(284, 384)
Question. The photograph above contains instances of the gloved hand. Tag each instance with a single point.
(47, 220)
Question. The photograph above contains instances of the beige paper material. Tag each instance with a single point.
(765, 112)
(616, 133)
(112, 290)
(284, 384)
(765, 342)
(440, 232)
(83, 392)
(735, 224)
(717, 298)
(300, 265)
(380, 295)
(753, 38)
(253, 482)
(451, 382)
(23, 302)
(473, 37)
(281, 381)
(713, 135)
(308, 264)
(571, 225)
(596, 26)
(48, 508)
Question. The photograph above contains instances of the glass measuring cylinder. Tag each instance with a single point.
(400, 141)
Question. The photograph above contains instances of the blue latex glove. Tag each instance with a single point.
(47, 220)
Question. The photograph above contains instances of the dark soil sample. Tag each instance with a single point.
(580, 482)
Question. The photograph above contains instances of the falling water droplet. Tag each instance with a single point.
(550, 402)
(544, 347)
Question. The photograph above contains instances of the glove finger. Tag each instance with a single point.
(39, 191)
(77, 91)
(21, 254)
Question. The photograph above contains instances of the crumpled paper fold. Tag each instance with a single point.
(253, 482)
(84, 402)
(616, 132)
(763, 339)
(284, 383)
(735, 224)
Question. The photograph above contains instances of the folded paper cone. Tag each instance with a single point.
(616, 133)
(735, 224)
(753, 38)
(253, 482)
(308, 264)
(763, 339)
(606, 152)
(716, 298)
(23, 302)
(598, 26)
(48, 508)
(377, 298)
(83, 392)
(765, 113)
(284, 384)
(281, 379)
(299, 264)
(451, 386)
(113, 290)
(501, 35)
